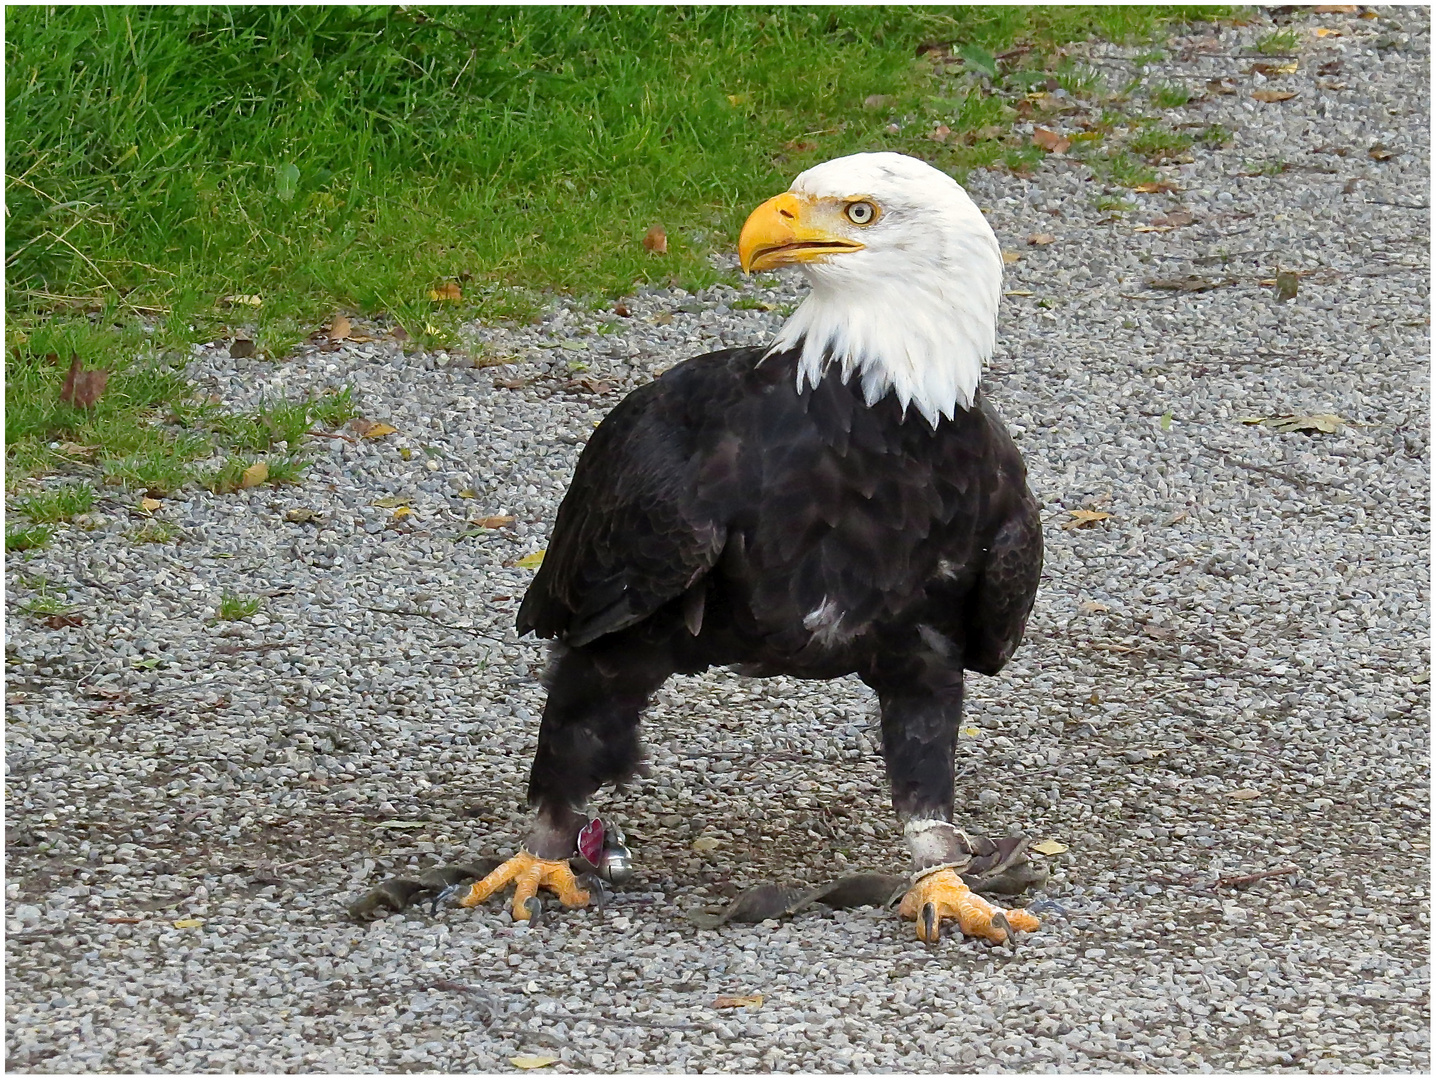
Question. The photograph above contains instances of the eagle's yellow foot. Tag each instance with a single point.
(528, 873)
(944, 895)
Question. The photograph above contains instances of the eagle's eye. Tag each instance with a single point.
(861, 212)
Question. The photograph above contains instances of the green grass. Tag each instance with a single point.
(359, 156)
(24, 539)
(1157, 143)
(1277, 43)
(61, 504)
(154, 531)
(233, 607)
(1169, 95)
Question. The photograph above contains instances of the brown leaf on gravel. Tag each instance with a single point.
(1050, 141)
(1378, 152)
(1220, 86)
(255, 475)
(656, 240)
(1188, 284)
(339, 328)
(591, 386)
(1081, 518)
(61, 621)
(83, 388)
(149, 505)
(1041, 238)
(1326, 423)
(1153, 187)
(621, 310)
(1243, 793)
(1286, 286)
(372, 429)
(1010, 257)
(738, 1001)
(498, 521)
(1176, 219)
(239, 348)
(1273, 95)
(511, 384)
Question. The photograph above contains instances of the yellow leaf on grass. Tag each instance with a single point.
(187, 924)
(1243, 793)
(738, 1001)
(255, 475)
(1048, 847)
(531, 562)
(532, 1061)
(150, 505)
(242, 300)
(448, 292)
(1085, 517)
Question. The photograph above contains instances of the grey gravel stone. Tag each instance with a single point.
(1227, 677)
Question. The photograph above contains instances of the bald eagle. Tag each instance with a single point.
(841, 501)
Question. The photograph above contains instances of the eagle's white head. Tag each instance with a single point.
(906, 276)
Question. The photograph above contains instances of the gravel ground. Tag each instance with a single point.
(1228, 676)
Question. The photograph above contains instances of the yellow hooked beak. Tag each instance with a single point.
(788, 229)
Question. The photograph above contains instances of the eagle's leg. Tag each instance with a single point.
(588, 737)
(919, 723)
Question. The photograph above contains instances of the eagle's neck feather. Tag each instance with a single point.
(917, 339)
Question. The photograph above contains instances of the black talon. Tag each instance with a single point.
(930, 922)
(1000, 919)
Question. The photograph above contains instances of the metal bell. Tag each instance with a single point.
(615, 865)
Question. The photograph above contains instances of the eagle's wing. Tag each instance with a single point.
(643, 519)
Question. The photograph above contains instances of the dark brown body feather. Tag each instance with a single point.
(718, 516)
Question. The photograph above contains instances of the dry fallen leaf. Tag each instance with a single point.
(61, 621)
(1153, 187)
(1050, 141)
(1085, 517)
(300, 514)
(939, 133)
(187, 924)
(1322, 31)
(1286, 286)
(1270, 70)
(255, 475)
(240, 348)
(1378, 152)
(621, 310)
(448, 292)
(400, 513)
(532, 1061)
(149, 505)
(1092, 607)
(1273, 95)
(1328, 423)
(705, 844)
(339, 328)
(242, 300)
(1041, 238)
(1019, 292)
(77, 450)
(498, 521)
(532, 561)
(372, 429)
(656, 240)
(1243, 793)
(83, 388)
(738, 1001)
(1335, 9)
(511, 384)
(1188, 284)
(1010, 257)
(970, 732)
(1048, 847)
(1176, 219)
